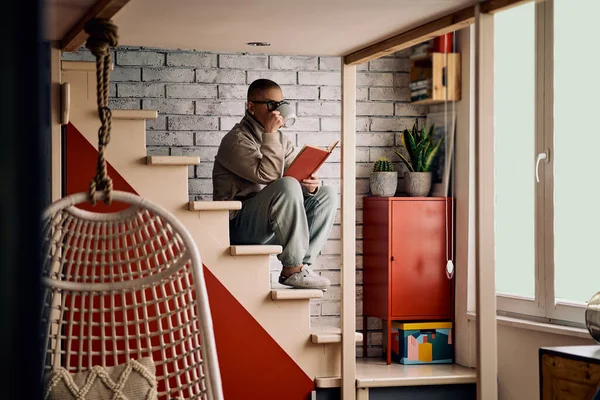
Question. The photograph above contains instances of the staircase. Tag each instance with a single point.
(244, 270)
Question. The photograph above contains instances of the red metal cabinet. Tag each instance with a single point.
(404, 260)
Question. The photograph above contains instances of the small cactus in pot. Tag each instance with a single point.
(383, 165)
(384, 178)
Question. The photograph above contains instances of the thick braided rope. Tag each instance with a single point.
(103, 35)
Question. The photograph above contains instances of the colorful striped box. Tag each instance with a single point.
(422, 343)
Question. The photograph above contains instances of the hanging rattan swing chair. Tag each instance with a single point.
(123, 286)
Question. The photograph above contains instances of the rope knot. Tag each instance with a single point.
(104, 113)
(103, 35)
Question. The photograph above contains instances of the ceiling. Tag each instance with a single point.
(298, 27)
(61, 15)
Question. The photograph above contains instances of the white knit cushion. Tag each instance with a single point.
(134, 380)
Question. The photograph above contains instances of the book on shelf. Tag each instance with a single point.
(420, 91)
(421, 84)
(309, 160)
(422, 50)
(420, 95)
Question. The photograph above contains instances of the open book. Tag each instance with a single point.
(308, 161)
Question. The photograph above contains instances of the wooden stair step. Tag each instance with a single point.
(376, 373)
(331, 335)
(254, 250)
(134, 114)
(81, 66)
(214, 205)
(173, 160)
(328, 382)
(296, 294)
(373, 372)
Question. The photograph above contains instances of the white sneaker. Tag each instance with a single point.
(305, 279)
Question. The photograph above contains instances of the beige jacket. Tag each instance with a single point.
(248, 159)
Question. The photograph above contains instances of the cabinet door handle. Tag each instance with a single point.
(444, 76)
(392, 259)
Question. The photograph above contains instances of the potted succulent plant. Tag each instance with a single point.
(384, 178)
(421, 154)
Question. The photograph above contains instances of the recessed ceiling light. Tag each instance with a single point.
(259, 44)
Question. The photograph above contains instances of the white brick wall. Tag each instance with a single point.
(200, 96)
(140, 90)
(120, 74)
(169, 106)
(243, 61)
(294, 63)
(138, 58)
(166, 74)
(191, 59)
(220, 76)
(191, 91)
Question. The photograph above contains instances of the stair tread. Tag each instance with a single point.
(374, 372)
(330, 334)
(173, 160)
(279, 292)
(214, 205)
(328, 382)
(254, 250)
(81, 66)
(134, 114)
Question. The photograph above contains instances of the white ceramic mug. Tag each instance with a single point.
(288, 114)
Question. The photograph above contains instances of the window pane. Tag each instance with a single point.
(514, 133)
(576, 144)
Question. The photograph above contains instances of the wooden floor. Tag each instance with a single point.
(375, 373)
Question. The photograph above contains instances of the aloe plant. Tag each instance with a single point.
(383, 164)
(420, 148)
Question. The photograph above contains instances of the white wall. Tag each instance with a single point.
(518, 369)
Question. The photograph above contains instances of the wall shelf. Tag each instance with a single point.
(435, 78)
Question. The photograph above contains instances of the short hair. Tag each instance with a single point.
(259, 86)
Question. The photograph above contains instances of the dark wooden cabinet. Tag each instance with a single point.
(570, 373)
(406, 240)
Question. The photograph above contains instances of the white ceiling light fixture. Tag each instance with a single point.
(258, 44)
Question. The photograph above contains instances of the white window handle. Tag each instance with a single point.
(540, 157)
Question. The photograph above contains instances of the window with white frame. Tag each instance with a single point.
(546, 164)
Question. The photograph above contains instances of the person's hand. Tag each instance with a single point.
(274, 122)
(312, 183)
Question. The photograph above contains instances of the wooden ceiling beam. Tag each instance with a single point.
(76, 36)
(453, 22)
(494, 6)
(428, 31)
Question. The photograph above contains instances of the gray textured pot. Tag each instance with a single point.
(383, 183)
(417, 184)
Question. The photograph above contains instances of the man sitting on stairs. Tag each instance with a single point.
(249, 166)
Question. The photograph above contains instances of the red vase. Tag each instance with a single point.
(443, 44)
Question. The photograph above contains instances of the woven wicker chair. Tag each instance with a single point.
(127, 285)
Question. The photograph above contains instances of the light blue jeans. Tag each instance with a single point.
(282, 214)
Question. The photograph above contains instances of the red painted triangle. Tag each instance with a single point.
(81, 158)
(253, 366)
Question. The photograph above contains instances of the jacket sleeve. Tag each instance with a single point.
(290, 153)
(259, 165)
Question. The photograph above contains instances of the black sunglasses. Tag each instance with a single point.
(272, 105)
